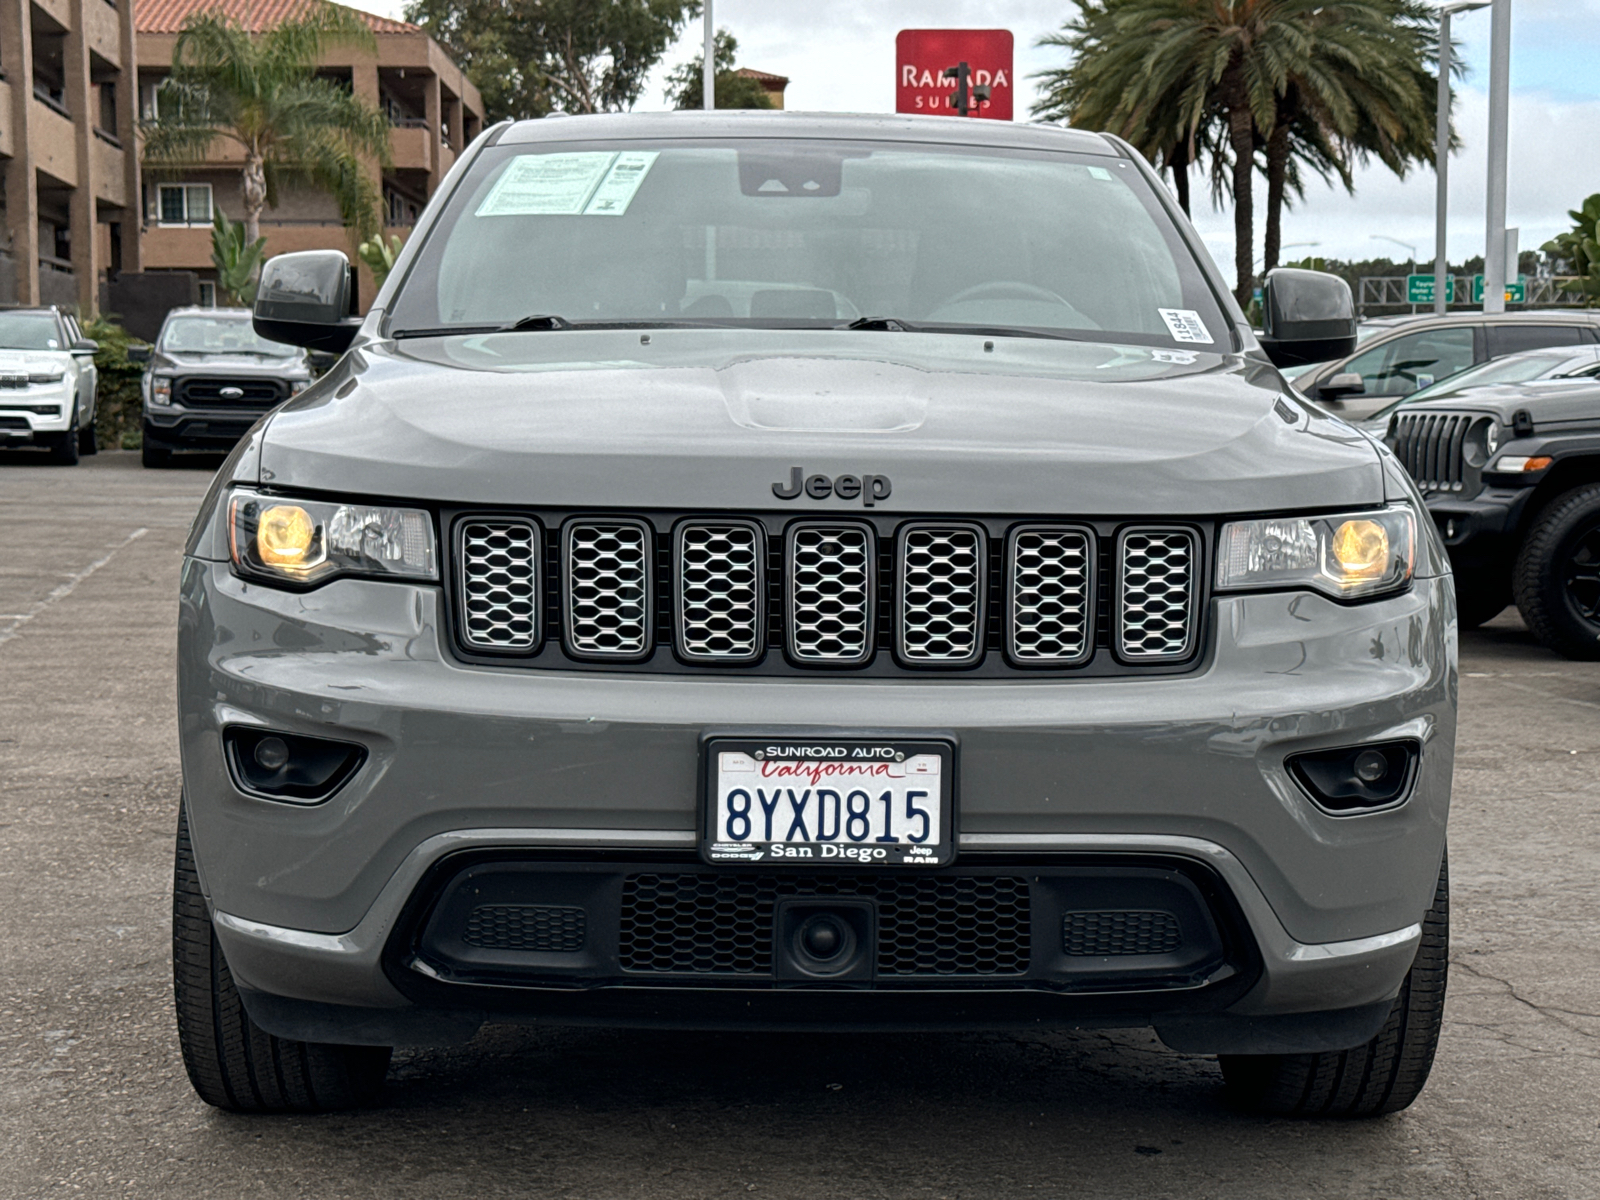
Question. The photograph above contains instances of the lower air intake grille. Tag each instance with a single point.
(546, 928)
(1092, 934)
(706, 924)
(607, 598)
(499, 584)
(1156, 609)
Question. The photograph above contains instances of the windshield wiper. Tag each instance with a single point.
(881, 324)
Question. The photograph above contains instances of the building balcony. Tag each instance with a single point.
(410, 146)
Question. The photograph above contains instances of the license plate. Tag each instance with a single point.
(828, 802)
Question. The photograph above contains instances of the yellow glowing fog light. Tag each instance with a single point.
(1361, 550)
(286, 536)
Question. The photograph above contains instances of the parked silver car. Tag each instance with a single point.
(1412, 353)
(810, 572)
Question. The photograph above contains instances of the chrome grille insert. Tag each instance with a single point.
(499, 584)
(1050, 590)
(721, 592)
(1157, 587)
(941, 593)
(606, 589)
(832, 580)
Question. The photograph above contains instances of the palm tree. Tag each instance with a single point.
(262, 92)
(1310, 83)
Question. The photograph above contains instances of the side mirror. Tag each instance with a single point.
(1307, 317)
(1342, 386)
(139, 354)
(85, 346)
(304, 299)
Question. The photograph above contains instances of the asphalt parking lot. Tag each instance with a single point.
(93, 1099)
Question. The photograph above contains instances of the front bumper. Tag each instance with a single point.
(311, 903)
(25, 415)
(178, 428)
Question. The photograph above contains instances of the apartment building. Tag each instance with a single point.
(67, 160)
(433, 108)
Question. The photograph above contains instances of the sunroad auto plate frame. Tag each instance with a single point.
(722, 848)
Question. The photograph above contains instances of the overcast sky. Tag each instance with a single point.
(839, 56)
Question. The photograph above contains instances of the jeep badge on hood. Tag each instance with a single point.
(871, 488)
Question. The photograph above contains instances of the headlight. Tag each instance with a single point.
(46, 376)
(160, 390)
(1360, 554)
(310, 541)
(298, 386)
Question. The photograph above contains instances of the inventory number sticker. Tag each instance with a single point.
(1185, 325)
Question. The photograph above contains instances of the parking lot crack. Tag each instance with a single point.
(1551, 1011)
(17, 620)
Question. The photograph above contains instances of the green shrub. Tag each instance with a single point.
(119, 413)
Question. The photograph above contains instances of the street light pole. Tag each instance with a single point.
(1494, 250)
(708, 69)
(1441, 153)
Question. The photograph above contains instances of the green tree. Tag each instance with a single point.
(379, 255)
(1312, 85)
(1578, 252)
(261, 91)
(532, 57)
(686, 86)
(235, 259)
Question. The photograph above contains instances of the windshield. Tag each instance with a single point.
(219, 335)
(810, 234)
(29, 331)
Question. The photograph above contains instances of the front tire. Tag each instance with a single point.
(154, 456)
(233, 1063)
(1381, 1077)
(1479, 600)
(1557, 576)
(87, 442)
(64, 451)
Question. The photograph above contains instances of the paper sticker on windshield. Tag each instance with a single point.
(1185, 325)
(616, 190)
(547, 185)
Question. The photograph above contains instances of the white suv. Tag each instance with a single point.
(47, 382)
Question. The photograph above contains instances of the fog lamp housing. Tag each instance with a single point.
(273, 765)
(1356, 779)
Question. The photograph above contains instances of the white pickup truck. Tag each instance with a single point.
(47, 383)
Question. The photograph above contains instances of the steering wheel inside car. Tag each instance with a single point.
(1003, 289)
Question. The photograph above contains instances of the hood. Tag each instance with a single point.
(233, 364)
(36, 359)
(711, 419)
(1548, 401)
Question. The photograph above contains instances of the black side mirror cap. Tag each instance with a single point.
(1306, 317)
(1342, 386)
(305, 299)
(139, 354)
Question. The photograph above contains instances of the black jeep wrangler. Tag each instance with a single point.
(1512, 476)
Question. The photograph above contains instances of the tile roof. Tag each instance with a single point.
(168, 16)
(766, 78)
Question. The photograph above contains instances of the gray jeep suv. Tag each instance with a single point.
(830, 573)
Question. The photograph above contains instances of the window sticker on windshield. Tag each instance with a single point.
(1099, 173)
(1185, 325)
(616, 190)
(547, 185)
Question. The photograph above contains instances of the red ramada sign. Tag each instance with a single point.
(921, 56)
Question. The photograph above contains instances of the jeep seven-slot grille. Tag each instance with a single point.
(1432, 448)
(871, 594)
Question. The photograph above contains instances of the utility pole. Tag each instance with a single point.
(708, 77)
(1494, 249)
(1441, 152)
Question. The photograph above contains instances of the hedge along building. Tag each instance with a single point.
(66, 137)
(432, 106)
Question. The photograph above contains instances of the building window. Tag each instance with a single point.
(208, 295)
(185, 204)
